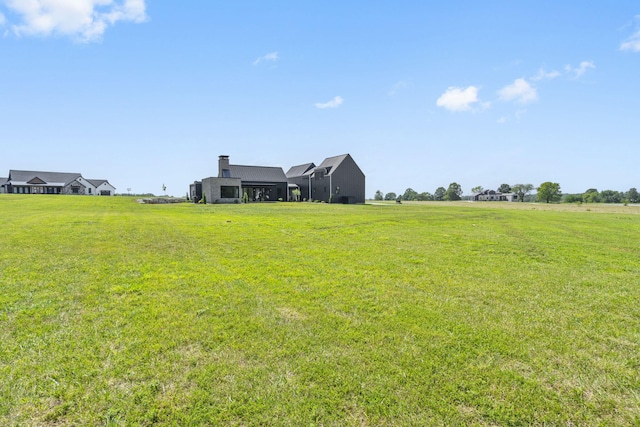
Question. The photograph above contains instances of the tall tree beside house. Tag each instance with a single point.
(477, 189)
(378, 195)
(549, 192)
(439, 194)
(454, 192)
(504, 188)
(522, 190)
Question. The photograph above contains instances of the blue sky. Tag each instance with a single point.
(421, 94)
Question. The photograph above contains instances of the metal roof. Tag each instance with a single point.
(97, 182)
(257, 174)
(300, 170)
(331, 163)
(51, 178)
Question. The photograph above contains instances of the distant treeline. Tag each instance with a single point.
(547, 192)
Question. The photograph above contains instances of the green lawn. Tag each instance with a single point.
(114, 313)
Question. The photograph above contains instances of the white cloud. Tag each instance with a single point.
(633, 42)
(520, 91)
(581, 69)
(397, 87)
(458, 99)
(84, 20)
(270, 57)
(545, 75)
(2, 19)
(334, 103)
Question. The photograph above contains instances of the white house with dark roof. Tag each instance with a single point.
(494, 196)
(40, 182)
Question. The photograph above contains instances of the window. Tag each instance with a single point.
(227, 192)
(89, 190)
(226, 173)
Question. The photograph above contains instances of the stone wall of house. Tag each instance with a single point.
(211, 189)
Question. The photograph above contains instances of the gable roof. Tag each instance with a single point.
(98, 182)
(330, 164)
(300, 170)
(18, 177)
(257, 173)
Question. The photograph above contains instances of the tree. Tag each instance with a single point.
(476, 190)
(611, 196)
(426, 196)
(410, 194)
(390, 196)
(549, 192)
(378, 195)
(439, 194)
(504, 188)
(522, 190)
(454, 192)
(633, 196)
(573, 198)
(591, 196)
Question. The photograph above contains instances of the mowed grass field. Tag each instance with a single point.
(114, 313)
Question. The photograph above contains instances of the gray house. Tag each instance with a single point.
(339, 180)
(3, 181)
(299, 177)
(38, 182)
(195, 191)
(259, 183)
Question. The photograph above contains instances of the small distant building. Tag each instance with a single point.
(3, 181)
(494, 196)
(39, 182)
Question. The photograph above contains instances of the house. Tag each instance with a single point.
(299, 178)
(3, 181)
(102, 187)
(259, 183)
(494, 196)
(337, 179)
(195, 191)
(38, 182)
